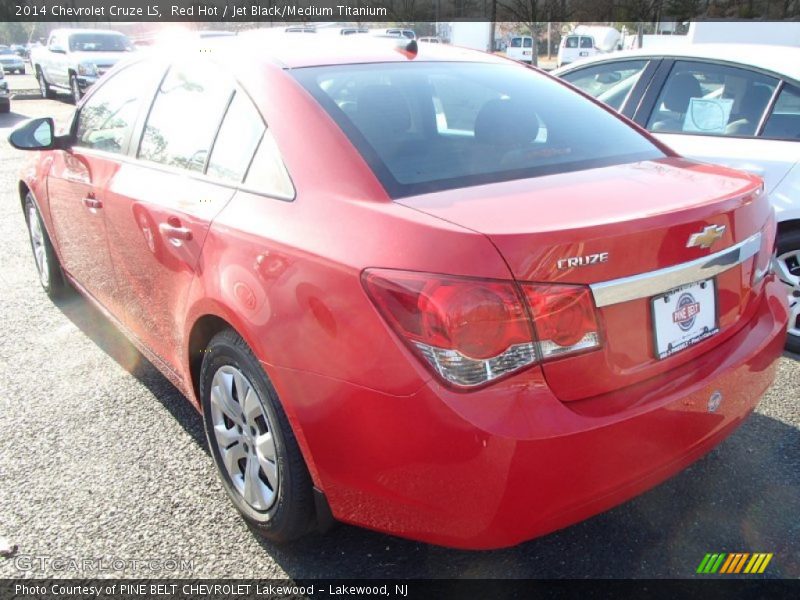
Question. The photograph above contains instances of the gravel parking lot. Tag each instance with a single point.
(100, 457)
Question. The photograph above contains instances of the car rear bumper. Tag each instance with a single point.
(478, 470)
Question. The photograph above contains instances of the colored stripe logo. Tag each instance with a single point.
(734, 562)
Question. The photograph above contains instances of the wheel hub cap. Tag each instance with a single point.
(39, 251)
(787, 265)
(244, 435)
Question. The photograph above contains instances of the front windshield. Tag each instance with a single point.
(94, 42)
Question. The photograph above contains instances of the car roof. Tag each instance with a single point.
(293, 50)
(783, 60)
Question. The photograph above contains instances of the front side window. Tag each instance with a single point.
(185, 115)
(106, 119)
(611, 83)
(784, 122)
(501, 122)
(705, 98)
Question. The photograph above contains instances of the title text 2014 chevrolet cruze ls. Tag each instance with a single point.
(432, 293)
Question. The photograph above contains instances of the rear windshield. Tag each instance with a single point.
(98, 42)
(424, 127)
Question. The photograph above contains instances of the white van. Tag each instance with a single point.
(520, 47)
(587, 40)
(574, 47)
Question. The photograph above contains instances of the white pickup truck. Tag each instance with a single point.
(75, 58)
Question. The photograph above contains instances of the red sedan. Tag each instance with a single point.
(425, 290)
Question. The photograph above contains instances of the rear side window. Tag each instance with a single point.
(528, 42)
(424, 127)
(237, 140)
(572, 42)
(705, 98)
(784, 122)
(516, 42)
(587, 42)
(185, 115)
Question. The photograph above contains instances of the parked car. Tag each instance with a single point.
(733, 104)
(11, 62)
(469, 331)
(5, 96)
(394, 32)
(520, 48)
(75, 58)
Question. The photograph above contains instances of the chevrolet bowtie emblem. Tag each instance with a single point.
(707, 237)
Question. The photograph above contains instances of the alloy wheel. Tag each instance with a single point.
(39, 249)
(787, 266)
(244, 435)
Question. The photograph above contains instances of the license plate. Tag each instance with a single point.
(684, 316)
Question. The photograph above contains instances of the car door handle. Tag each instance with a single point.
(175, 231)
(91, 202)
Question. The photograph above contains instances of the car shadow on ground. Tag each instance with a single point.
(742, 497)
(94, 324)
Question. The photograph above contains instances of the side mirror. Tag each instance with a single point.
(36, 134)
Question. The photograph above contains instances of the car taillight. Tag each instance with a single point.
(563, 317)
(472, 331)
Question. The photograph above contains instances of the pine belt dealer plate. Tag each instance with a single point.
(683, 317)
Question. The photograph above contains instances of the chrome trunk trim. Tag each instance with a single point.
(653, 283)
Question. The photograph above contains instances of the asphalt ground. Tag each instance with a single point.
(101, 458)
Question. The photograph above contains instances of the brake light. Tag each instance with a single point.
(471, 331)
(563, 318)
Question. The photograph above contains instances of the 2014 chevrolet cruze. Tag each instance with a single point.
(423, 290)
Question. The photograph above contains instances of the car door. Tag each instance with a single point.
(716, 113)
(162, 203)
(618, 83)
(101, 130)
(60, 65)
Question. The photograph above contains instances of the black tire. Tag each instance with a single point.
(50, 275)
(75, 88)
(789, 242)
(44, 87)
(291, 513)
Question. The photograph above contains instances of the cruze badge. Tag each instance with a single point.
(707, 237)
(582, 261)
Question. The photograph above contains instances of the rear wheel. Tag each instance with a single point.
(252, 443)
(788, 268)
(43, 253)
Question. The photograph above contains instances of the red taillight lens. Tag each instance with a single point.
(469, 331)
(563, 318)
(472, 331)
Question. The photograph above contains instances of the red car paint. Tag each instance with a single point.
(391, 445)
